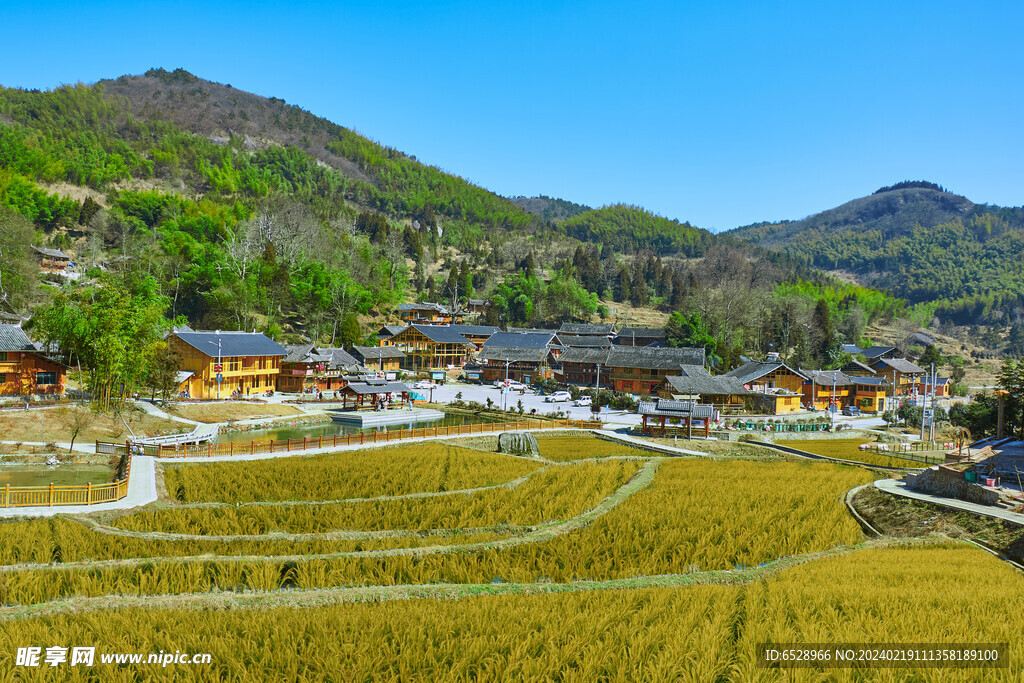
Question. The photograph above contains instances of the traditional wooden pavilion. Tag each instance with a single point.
(373, 394)
(663, 417)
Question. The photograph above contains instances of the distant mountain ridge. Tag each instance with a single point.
(919, 242)
(549, 208)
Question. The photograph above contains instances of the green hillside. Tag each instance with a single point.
(918, 242)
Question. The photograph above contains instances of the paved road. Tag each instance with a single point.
(141, 490)
(897, 487)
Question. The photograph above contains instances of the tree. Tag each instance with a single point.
(1016, 339)
(351, 332)
(690, 331)
(162, 377)
(566, 299)
(931, 355)
(17, 267)
(76, 419)
(114, 330)
(1011, 380)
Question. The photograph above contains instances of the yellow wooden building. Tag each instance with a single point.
(24, 370)
(767, 376)
(432, 347)
(249, 363)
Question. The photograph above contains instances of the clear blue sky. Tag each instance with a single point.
(720, 113)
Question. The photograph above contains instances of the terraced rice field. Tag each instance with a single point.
(847, 449)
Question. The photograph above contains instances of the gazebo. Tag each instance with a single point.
(372, 394)
(664, 416)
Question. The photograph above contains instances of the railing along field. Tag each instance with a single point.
(308, 443)
(78, 494)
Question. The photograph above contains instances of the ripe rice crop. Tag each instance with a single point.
(583, 446)
(846, 449)
(61, 541)
(557, 493)
(944, 594)
(697, 515)
(391, 471)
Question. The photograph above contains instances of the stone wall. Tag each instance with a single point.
(950, 483)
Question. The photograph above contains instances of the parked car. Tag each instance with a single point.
(558, 397)
(424, 384)
(851, 411)
(516, 386)
(584, 401)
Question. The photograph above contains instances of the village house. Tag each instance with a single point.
(635, 370)
(768, 376)
(308, 368)
(52, 260)
(428, 313)
(478, 334)
(825, 388)
(873, 353)
(942, 387)
(695, 383)
(24, 369)
(588, 329)
(386, 332)
(901, 374)
(477, 307)
(520, 357)
(247, 363)
(582, 341)
(640, 336)
(430, 347)
(384, 359)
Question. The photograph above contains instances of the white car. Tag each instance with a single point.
(584, 401)
(424, 384)
(558, 397)
(516, 386)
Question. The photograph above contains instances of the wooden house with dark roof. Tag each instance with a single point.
(588, 329)
(768, 376)
(425, 312)
(634, 370)
(308, 368)
(52, 260)
(523, 357)
(386, 332)
(478, 334)
(873, 353)
(25, 369)
(695, 383)
(640, 336)
(248, 362)
(432, 347)
(385, 359)
(901, 374)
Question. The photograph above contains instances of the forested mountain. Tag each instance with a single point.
(919, 242)
(230, 210)
(549, 208)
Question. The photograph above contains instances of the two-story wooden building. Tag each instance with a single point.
(767, 376)
(248, 363)
(24, 369)
(428, 313)
(901, 374)
(825, 388)
(640, 336)
(695, 383)
(432, 347)
(52, 260)
(308, 368)
(383, 359)
(478, 334)
(523, 357)
(634, 370)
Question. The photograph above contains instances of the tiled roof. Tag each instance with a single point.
(692, 382)
(752, 370)
(647, 332)
(476, 330)
(298, 353)
(587, 328)
(900, 365)
(532, 330)
(379, 387)
(390, 330)
(873, 352)
(52, 253)
(869, 381)
(830, 377)
(441, 334)
(378, 352)
(852, 349)
(232, 343)
(586, 341)
(642, 357)
(502, 354)
(13, 338)
(519, 340)
(667, 408)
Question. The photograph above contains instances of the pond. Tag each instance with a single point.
(332, 428)
(62, 475)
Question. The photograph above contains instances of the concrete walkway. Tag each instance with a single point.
(899, 488)
(647, 445)
(141, 490)
(155, 411)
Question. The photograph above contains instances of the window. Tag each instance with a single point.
(43, 378)
(3, 378)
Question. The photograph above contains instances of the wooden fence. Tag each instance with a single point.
(80, 494)
(307, 443)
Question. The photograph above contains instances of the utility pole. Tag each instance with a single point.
(597, 384)
(219, 367)
(931, 430)
(504, 389)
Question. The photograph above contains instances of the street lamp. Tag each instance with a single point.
(220, 366)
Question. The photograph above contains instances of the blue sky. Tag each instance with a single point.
(719, 113)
